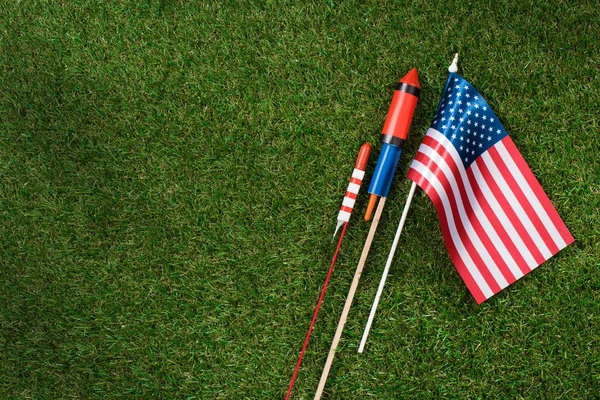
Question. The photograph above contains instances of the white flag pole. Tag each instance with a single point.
(387, 267)
(452, 68)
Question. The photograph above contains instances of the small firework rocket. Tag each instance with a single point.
(393, 136)
(353, 187)
(343, 218)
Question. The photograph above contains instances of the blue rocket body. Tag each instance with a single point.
(385, 169)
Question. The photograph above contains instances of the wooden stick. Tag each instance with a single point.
(340, 327)
(387, 268)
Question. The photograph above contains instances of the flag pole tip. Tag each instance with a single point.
(454, 66)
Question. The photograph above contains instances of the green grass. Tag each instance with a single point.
(170, 173)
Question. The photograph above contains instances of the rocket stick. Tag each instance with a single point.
(312, 323)
(387, 268)
(350, 298)
(342, 220)
(452, 68)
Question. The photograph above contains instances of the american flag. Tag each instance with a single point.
(498, 223)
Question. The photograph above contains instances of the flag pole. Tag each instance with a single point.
(387, 267)
(350, 298)
(452, 68)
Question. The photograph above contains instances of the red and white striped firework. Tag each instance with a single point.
(497, 222)
(353, 187)
(344, 216)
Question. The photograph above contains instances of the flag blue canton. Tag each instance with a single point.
(467, 120)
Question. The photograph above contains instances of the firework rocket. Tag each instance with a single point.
(393, 136)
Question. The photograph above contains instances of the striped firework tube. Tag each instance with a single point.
(351, 194)
(354, 186)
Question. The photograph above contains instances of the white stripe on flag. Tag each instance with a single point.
(533, 200)
(502, 217)
(464, 219)
(479, 213)
(516, 206)
(460, 247)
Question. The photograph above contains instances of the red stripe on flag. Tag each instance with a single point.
(515, 220)
(456, 259)
(480, 231)
(523, 201)
(537, 189)
(459, 223)
(497, 224)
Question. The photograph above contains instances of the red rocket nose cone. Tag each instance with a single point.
(412, 78)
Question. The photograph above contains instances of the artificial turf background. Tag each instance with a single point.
(170, 174)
